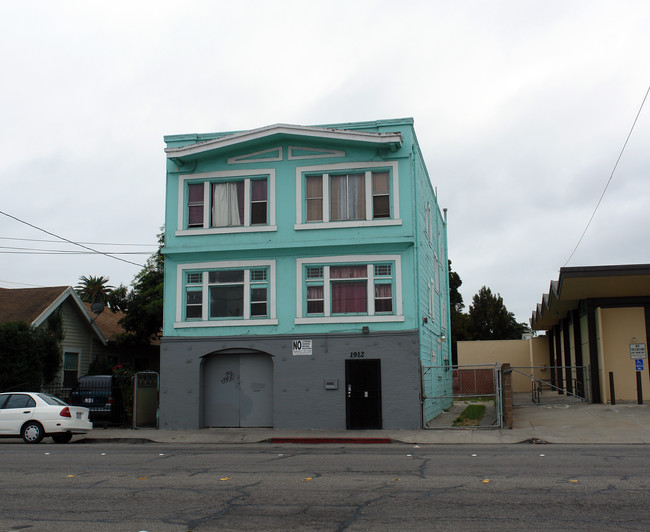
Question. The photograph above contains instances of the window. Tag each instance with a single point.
(226, 293)
(380, 195)
(70, 368)
(194, 296)
(314, 197)
(348, 197)
(383, 288)
(343, 195)
(195, 205)
(19, 400)
(222, 202)
(349, 291)
(227, 203)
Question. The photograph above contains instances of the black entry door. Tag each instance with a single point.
(363, 394)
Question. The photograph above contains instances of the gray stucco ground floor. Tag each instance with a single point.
(313, 381)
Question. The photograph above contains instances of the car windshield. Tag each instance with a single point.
(51, 400)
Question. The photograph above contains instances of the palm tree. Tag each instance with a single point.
(93, 289)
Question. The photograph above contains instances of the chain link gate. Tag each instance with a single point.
(472, 384)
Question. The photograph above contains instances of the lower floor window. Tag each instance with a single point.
(349, 297)
(70, 368)
(240, 293)
(341, 289)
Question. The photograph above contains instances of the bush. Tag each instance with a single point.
(29, 357)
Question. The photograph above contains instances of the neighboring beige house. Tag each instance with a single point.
(599, 316)
(84, 340)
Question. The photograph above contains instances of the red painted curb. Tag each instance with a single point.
(330, 440)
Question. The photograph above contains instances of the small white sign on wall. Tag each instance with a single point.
(301, 347)
(638, 351)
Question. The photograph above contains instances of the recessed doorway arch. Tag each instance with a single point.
(237, 389)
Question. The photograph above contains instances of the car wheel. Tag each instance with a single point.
(32, 432)
(62, 438)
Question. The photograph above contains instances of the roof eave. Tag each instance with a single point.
(391, 140)
(69, 292)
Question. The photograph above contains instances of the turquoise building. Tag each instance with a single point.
(306, 280)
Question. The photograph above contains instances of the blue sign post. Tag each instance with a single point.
(638, 362)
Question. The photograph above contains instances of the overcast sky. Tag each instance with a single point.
(521, 109)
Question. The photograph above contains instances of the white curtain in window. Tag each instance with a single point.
(356, 197)
(225, 206)
(348, 197)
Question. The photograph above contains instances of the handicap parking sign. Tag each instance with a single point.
(638, 362)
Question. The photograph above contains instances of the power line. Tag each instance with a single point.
(610, 177)
(34, 251)
(70, 241)
(25, 284)
(87, 243)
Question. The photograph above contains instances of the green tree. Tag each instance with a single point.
(459, 320)
(143, 303)
(93, 289)
(489, 318)
(29, 356)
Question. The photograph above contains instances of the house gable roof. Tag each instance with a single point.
(108, 322)
(28, 304)
(196, 149)
(35, 305)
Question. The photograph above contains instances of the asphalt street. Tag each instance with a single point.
(265, 486)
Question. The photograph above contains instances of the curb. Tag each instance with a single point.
(330, 440)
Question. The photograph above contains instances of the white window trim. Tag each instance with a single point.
(337, 167)
(370, 260)
(205, 266)
(225, 175)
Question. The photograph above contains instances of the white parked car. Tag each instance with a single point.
(32, 416)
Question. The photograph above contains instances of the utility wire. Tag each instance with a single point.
(87, 243)
(25, 284)
(12, 251)
(70, 241)
(610, 177)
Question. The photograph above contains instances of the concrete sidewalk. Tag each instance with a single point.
(574, 423)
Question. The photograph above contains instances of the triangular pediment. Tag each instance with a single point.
(288, 132)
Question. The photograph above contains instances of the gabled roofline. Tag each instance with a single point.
(69, 292)
(392, 140)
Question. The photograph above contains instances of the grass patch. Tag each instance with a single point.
(470, 417)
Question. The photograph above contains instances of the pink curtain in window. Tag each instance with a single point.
(354, 271)
(349, 297)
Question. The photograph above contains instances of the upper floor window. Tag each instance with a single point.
(221, 202)
(226, 293)
(340, 289)
(344, 195)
